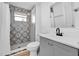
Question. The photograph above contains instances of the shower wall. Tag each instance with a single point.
(19, 30)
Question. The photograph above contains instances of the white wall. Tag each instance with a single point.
(43, 21)
(4, 29)
(76, 14)
(38, 21)
(33, 14)
(45, 17)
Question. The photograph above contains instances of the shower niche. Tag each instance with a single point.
(20, 27)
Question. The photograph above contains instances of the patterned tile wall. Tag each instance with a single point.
(19, 30)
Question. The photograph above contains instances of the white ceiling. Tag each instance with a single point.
(26, 5)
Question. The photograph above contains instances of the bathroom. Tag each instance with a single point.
(29, 28)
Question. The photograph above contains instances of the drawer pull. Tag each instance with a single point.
(50, 44)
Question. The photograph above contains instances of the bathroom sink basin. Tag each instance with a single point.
(67, 32)
(70, 37)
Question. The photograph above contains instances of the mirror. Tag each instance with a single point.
(62, 15)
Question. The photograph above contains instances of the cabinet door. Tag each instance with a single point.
(46, 47)
(63, 50)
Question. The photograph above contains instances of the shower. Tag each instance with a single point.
(21, 27)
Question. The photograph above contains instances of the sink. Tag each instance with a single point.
(67, 32)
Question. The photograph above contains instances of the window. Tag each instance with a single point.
(20, 16)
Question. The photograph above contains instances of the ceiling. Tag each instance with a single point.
(26, 5)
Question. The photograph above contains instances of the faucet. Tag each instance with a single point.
(58, 32)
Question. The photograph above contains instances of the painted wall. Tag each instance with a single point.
(45, 17)
(38, 21)
(4, 29)
(43, 21)
(33, 23)
(76, 14)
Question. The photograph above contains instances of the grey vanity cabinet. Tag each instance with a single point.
(46, 47)
(52, 48)
(64, 50)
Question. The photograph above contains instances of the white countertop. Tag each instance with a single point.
(70, 39)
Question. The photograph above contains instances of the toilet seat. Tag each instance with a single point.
(33, 47)
(33, 44)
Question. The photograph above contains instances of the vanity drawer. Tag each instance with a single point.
(53, 48)
(66, 49)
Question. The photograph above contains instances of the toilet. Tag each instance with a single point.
(32, 47)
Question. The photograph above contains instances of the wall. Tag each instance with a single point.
(43, 21)
(33, 14)
(4, 29)
(52, 20)
(38, 23)
(76, 14)
(45, 17)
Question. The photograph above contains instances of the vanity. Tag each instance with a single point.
(65, 17)
(52, 45)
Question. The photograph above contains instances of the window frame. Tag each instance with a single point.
(20, 15)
